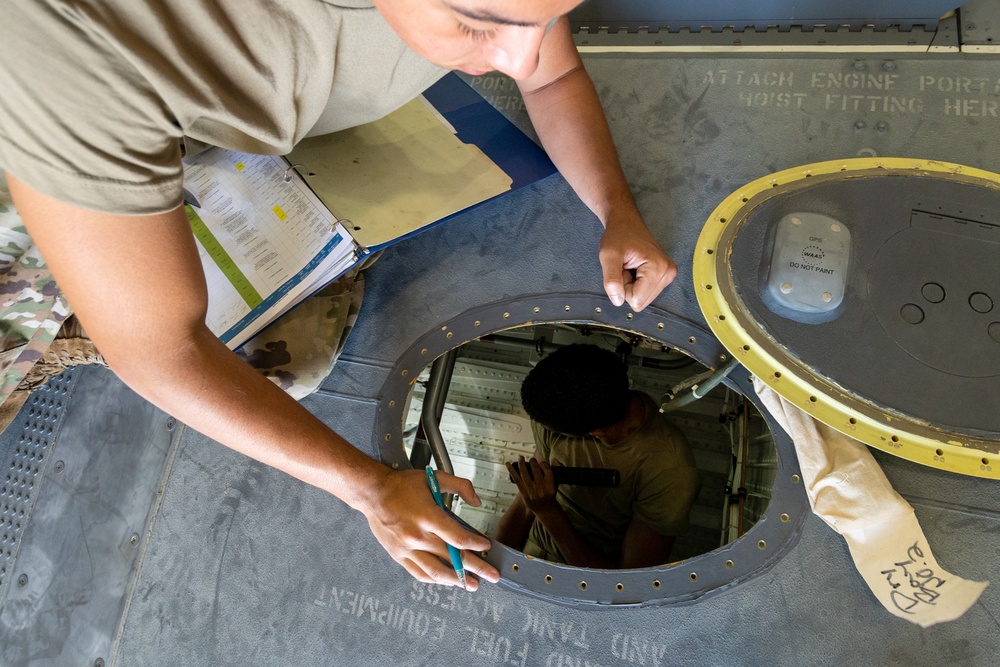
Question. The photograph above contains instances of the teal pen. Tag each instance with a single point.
(454, 552)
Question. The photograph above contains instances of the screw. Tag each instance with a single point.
(859, 125)
(889, 65)
(58, 468)
(722, 358)
(881, 126)
(22, 581)
(134, 539)
(859, 65)
(171, 423)
(99, 662)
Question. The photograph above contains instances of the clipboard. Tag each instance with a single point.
(274, 230)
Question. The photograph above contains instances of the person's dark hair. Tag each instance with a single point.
(577, 389)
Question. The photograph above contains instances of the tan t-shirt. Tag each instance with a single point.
(95, 94)
(659, 483)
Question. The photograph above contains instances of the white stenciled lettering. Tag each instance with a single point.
(884, 103)
(373, 610)
(753, 78)
(455, 599)
(500, 100)
(853, 80)
(491, 83)
(539, 624)
(954, 84)
(637, 650)
(367, 604)
(497, 647)
(345, 601)
(971, 108)
(716, 77)
(556, 659)
(772, 99)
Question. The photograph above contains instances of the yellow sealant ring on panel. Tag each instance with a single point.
(896, 434)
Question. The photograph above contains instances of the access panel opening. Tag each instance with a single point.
(484, 425)
(747, 513)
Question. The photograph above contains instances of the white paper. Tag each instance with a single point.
(849, 491)
(281, 240)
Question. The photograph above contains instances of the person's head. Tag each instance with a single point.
(476, 36)
(577, 389)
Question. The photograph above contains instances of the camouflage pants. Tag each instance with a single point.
(32, 310)
(296, 352)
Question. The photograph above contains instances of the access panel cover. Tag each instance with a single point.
(867, 292)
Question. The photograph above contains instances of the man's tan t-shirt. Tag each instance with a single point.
(96, 94)
(659, 484)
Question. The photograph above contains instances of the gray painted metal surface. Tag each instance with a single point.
(244, 565)
(672, 16)
(79, 553)
(23, 447)
(981, 26)
(290, 573)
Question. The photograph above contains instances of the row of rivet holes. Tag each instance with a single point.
(894, 440)
(449, 334)
(852, 422)
(761, 544)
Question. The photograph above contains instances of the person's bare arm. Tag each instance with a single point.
(566, 113)
(137, 286)
(515, 525)
(537, 490)
(644, 547)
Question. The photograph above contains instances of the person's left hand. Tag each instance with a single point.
(536, 484)
(635, 267)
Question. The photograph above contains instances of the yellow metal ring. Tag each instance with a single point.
(898, 434)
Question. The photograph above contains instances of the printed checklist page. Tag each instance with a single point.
(266, 241)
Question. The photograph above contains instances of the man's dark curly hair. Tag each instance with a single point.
(577, 389)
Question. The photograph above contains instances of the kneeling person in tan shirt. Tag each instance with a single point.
(584, 415)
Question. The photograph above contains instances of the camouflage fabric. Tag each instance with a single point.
(297, 352)
(32, 309)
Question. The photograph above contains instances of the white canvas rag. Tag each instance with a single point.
(849, 491)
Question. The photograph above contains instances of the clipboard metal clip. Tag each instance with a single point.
(287, 177)
(360, 252)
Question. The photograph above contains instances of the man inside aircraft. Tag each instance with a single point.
(97, 96)
(584, 415)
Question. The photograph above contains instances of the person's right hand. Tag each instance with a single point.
(636, 269)
(536, 484)
(416, 532)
